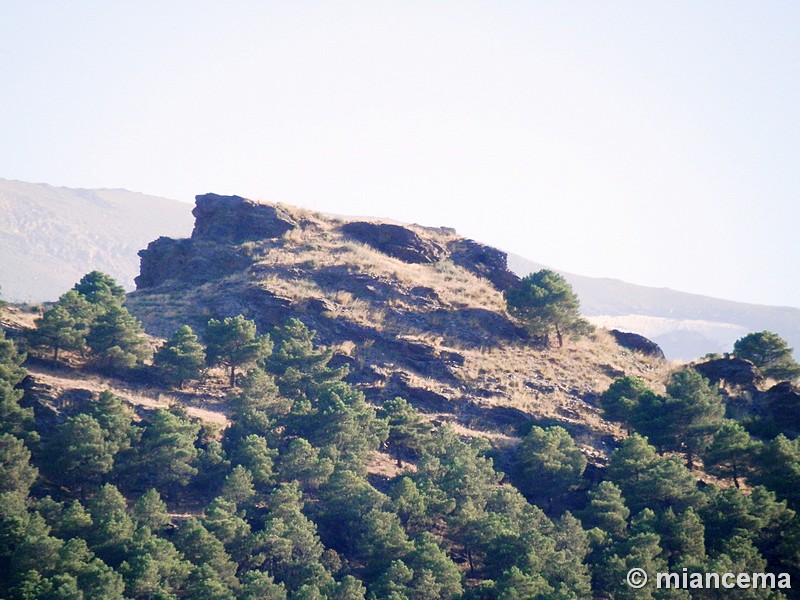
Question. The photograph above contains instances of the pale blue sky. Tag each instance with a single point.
(655, 142)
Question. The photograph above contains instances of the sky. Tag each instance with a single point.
(653, 142)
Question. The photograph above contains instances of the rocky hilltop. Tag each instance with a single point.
(413, 311)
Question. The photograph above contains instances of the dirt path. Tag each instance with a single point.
(64, 380)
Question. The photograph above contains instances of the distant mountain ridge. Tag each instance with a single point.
(51, 236)
(685, 325)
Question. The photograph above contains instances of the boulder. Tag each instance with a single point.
(733, 371)
(395, 241)
(233, 219)
(637, 343)
(483, 261)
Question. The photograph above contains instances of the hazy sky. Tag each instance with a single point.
(655, 142)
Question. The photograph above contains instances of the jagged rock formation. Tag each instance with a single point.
(233, 219)
(222, 224)
(484, 261)
(395, 240)
(637, 343)
(187, 261)
(782, 403)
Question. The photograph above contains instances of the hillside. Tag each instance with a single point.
(419, 443)
(51, 236)
(686, 326)
(413, 311)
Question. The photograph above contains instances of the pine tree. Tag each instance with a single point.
(778, 468)
(607, 510)
(182, 357)
(408, 431)
(16, 472)
(13, 418)
(204, 550)
(731, 454)
(299, 366)
(254, 453)
(11, 360)
(100, 288)
(770, 353)
(151, 511)
(544, 301)
(233, 342)
(301, 462)
(80, 453)
(117, 339)
(112, 527)
(238, 486)
(622, 401)
(167, 451)
(66, 324)
(694, 413)
(115, 419)
(550, 464)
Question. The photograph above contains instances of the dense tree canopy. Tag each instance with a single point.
(313, 491)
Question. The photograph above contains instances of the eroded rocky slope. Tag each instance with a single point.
(414, 311)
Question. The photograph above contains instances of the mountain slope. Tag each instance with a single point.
(686, 326)
(51, 236)
(414, 312)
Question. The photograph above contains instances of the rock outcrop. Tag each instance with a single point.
(187, 261)
(222, 224)
(394, 240)
(732, 371)
(637, 343)
(483, 261)
(782, 404)
(233, 219)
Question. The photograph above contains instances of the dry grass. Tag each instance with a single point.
(133, 395)
(361, 285)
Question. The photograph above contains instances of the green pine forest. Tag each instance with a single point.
(101, 501)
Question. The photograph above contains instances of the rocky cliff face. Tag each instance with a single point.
(222, 224)
(233, 219)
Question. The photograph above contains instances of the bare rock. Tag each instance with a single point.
(733, 371)
(483, 261)
(395, 241)
(187, 261)
(233, 219)
(637, 343)
(424, 400)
